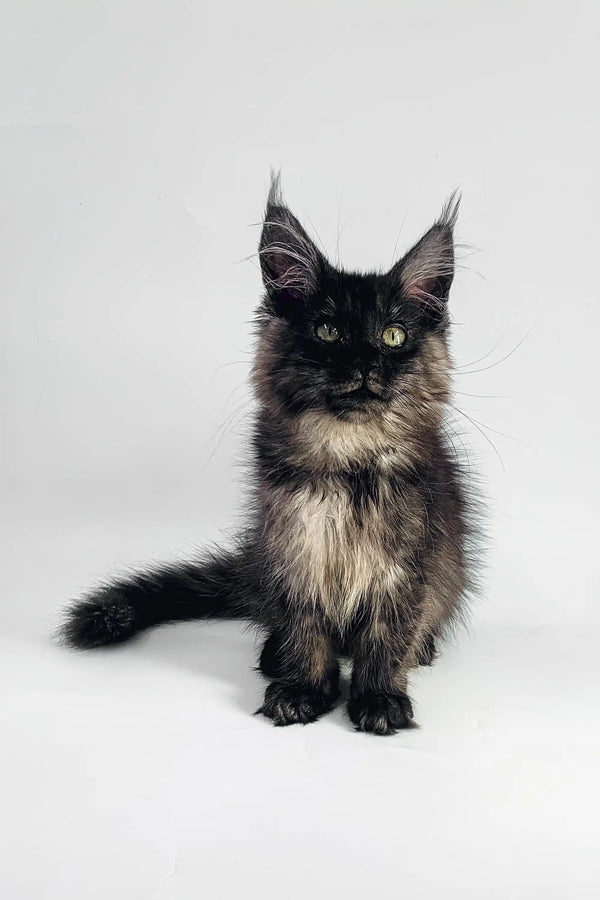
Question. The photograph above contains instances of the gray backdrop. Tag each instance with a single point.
(135, 150)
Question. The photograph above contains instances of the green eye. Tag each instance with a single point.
(328, 332)
(394, 336)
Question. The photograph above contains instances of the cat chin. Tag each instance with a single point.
(357, 410)
(355, 415)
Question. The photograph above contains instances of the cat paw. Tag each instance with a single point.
(288, 704)
(380, 713)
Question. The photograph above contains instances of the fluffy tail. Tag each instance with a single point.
(214, 588)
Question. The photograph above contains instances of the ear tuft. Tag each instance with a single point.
(275, 197)
(427, 270)
(449, 216)
(289, 260)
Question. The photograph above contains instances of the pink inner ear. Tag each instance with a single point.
(421, 290)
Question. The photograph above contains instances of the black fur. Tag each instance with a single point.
(381, 713)
(119, 610)
(359, 534)
(290, 702)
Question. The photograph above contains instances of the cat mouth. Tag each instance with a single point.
(361, 392)
(359, 401)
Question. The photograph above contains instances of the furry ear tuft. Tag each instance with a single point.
(449, 215)
(289, 260)
(427, 270)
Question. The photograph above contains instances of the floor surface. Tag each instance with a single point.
(141, 772)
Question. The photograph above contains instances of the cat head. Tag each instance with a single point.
(356, 348)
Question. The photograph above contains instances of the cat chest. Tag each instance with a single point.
(332, 547)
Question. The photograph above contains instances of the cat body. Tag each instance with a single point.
(358, 534)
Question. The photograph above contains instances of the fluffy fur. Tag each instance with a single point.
(358, 537)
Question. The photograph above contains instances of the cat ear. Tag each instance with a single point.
(425, 273)
(289, 260)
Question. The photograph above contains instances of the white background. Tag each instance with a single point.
(135, 149)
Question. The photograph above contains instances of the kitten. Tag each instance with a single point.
(357, 541)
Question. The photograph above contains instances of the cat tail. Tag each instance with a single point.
(218, 587)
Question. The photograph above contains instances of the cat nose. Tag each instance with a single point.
(365, 367)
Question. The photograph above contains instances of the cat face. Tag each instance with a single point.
(352, 346)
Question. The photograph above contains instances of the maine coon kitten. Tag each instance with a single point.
(357, 539)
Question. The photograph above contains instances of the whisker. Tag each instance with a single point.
(240, 412)
(337, 242)
(482, 432)
(508, 355)
(340, 232)
(485, 396)
(402, 224)
(450, 433)
(241, 385)
(237, 362)
(312, 225)
(481, 358)
(509, 437)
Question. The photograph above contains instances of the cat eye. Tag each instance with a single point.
(328, 332)
(394, 336)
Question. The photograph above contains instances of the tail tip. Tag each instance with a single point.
(104, 618)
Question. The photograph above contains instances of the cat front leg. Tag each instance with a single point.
(270, 662)
(307, 682)
(382, 654)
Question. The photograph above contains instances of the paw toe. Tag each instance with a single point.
(380, 713)
(288, 704)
